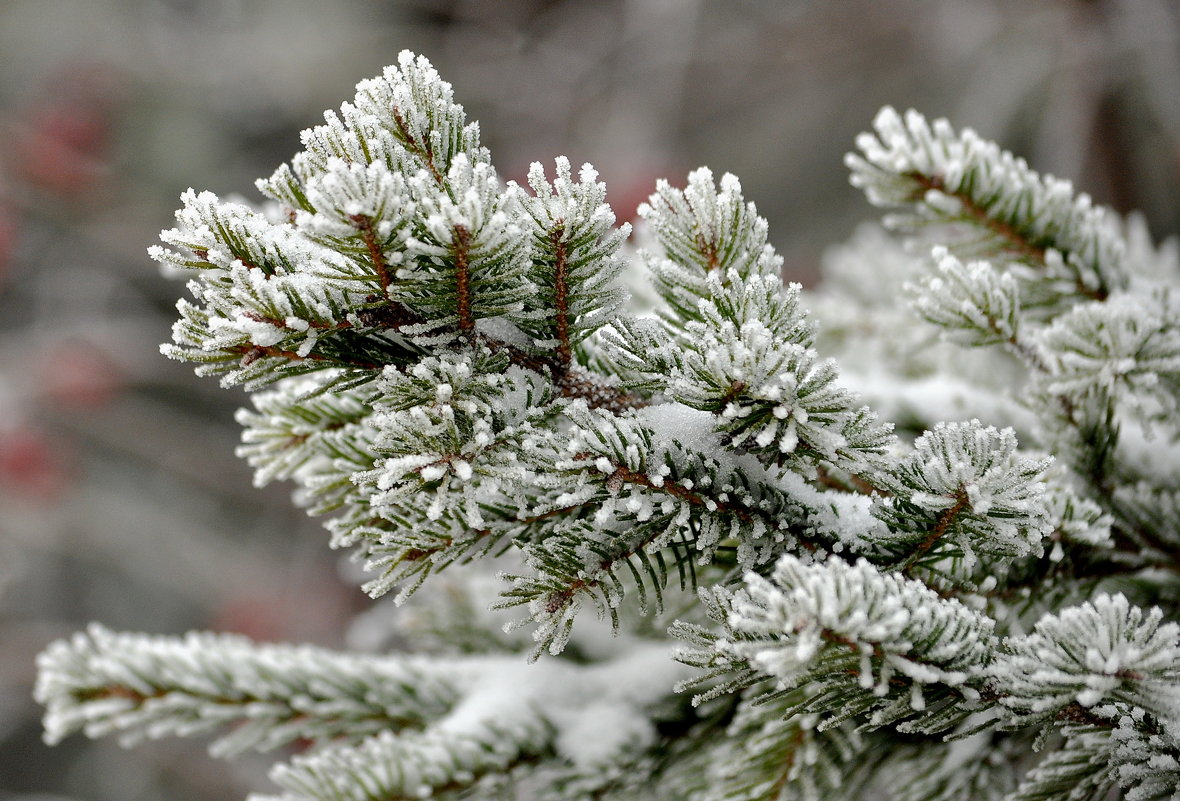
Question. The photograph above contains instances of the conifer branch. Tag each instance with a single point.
(455, 380)
(317, 325)
(422, 149)
(1016, 241)
(851, 483)
(267, 696)
(911, 162)
(571, 381)
(252, 353)
(622, 475)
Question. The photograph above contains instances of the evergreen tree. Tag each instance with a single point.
(809, 599)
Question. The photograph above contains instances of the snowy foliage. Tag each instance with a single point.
(1018, 215)
(1126, 655)
(964, 487)
(675, 555)
(860, 640)
(975, 303)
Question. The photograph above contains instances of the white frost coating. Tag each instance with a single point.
(1127, 347)
(503, 330)
(149, 687)
(974, 473)
(971, 168)
(392, 243)
(847, 517)
(597, 735)
(608, 713)
(595, 710)
(1105, 649)
(181, 686)
(974, 303)
(784, 625)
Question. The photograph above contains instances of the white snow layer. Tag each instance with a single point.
(596, 710)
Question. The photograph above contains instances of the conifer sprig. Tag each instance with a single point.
(945, 176)
(104, 682)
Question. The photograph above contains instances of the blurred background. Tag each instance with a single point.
(120, 498)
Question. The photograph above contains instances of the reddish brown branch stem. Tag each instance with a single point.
(573, 381)
(313, 324)
(784, 776)
(561, 295)
(369, 237)
(417, 554)
(709, 250)
(625, 475)
(252, 353)
(962, 502)
(422, 149)
(461, 243)
(732, 394)
(849, 483)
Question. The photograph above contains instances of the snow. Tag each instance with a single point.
(596, 710)
(785, 623)
(675, 422)
(847, 516)
(503, 330)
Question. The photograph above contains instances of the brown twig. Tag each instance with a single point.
(252, 353)
(280, 323)
(561, 295)
(461, 243)
(422, 149)
(571, 381)
(961, 503)
(708, 249)
(624, 475)
(369, 237)
(850, 483)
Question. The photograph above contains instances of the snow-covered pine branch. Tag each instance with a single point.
(1101, 652)
(978, 606)
(942, 176)
(865, 643)
(380, 726)
(963, 491)
(140, 687)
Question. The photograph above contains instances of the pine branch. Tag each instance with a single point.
(452, 378)
(572, 381)
(140, 687)
(1129, 656)
(364, 224)
(421, 149)
(799, 627)
(252, 353)
(388, 768)
(944, 176)
(1018, 242)
(961, 504)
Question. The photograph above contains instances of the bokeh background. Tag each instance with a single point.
(120, 498)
